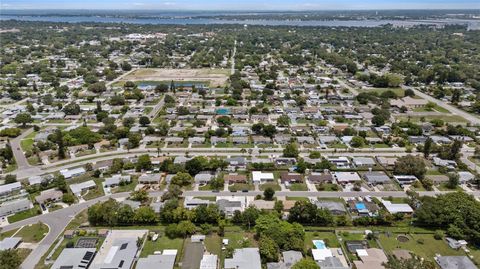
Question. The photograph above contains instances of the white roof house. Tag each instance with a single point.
(260, 177)
(78, 188)
(69, 173)
(74, 258)
(321, 254)
(397, 208)
(8, 188)
(209, 262)
(12, 207)
(346, 177)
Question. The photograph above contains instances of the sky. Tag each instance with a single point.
(295, 5)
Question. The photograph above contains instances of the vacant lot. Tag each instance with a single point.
(216, 77)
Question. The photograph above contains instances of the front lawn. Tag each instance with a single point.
(272, 185)
(24, 214)
(298, 187)
(33, 233)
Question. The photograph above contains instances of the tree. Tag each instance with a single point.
(126, 66)
(453, 180)
(97, 87)
(427, 147)
(306, 264)
(269, 130)
(140, 195)
(291, 150)
(457, 212)
(196, 165)
(145, 215)
(9, 259)
(224, 121)
(411, 263)
(68, 198)
(357, 142)
(144, 121)
(269, 250)
(72, 109)
(182, 179)
(410, 165)
(378, 120)
(185, 228)
(283, 121)
(23, 118)
(133, 140)
(268, 194)
(58, 139)
(143, 163)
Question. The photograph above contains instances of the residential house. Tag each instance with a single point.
(259, 177)
(290, 258)
(50, 195)
(116, 180)
(77, 189)
(69, 173)
(8, 189)
(336, 208)
(191, 203)
(363, 161)
(320, 178)
(244, 258)
(371, 258)
(74, 258)
(289, 178)
(455, 262)
(14, 206)
(376, 177)
(405, 179)
(235, 178)
(346, 177)
(147, 178)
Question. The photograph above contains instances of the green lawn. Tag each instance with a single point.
(33, 233)
(289, 198)
(7, 234)
(445, 118)
(127, 187)
(272, 185)
(240, 239)
(213, 243)
(240, 187)
(329, 238)
(94, 193)
(24, 214)
(328, 187)
(398, 91)
(298, 187)
(161, 244)
(26, 144)
(423, 245)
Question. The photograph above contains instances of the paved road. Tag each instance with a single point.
(57, 221)
(233, 57)
(20, 158)
(469, 117)
(157, 108)
(53, 167)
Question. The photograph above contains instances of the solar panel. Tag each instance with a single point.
(123, 246)
(121, 263)
(88, 256)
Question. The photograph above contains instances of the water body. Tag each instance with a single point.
(472, 24)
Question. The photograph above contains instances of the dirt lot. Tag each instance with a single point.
(216, 77)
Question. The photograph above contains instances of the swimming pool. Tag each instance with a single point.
(360, 206)
(319, 244)
(223, 111)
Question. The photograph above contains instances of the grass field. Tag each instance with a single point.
(240, 187)
(423, 245)
(445, 118)
(298, 187)
(161, 244)
(215, 77)
(33, 233)
(272, 185)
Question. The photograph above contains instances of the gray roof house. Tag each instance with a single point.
(244, 258)
(117, 254)
(363, 161)
(74, 258)
(203, 178)
(10, 243)
(12, 207)
(290, 258)
(156, 261)
(336, 208)
(455, 262)
(331, 263)
(376, 177)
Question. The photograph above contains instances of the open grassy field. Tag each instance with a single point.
(423, 245)
(445, 118)
(398, 91)
(215, 77)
